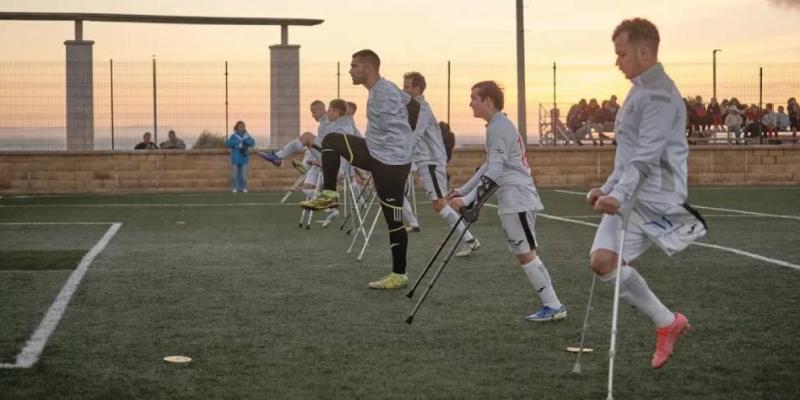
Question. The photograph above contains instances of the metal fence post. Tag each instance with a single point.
(448, 92)
(155, 104)
(225, 129)
(111, 62)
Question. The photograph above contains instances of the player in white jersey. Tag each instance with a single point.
(385, 152)
(651, 155)
(431, 160)
(518, 201)
(311, 161)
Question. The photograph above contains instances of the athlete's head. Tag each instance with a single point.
(414, 83)
(636, 45)
(351, 108)
(365, 67)
(486, 99)
(317, 109)
(336, 109)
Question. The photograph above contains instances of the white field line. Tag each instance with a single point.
(35, 345)
(146, 205)
(758, 214)
(712, 246)
(55, 223)
(720, 188)
(753, 213)
(594, 216)
(570, 192)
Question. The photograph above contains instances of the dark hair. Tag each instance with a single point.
(417, 80)
(340, 105)
(318, 103)
(640, 31)
(369, 57)
(352, 105)
(237, 123)
(491, 90)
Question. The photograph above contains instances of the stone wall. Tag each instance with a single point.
(208, 170)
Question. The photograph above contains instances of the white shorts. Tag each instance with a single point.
(434, 181)
(607, 238)
(520, 229)
(671, 227)
(312, 176)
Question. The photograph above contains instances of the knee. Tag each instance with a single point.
(329, 138)
(526, 258)
(439, 204)
(603, 261)
(307, 138)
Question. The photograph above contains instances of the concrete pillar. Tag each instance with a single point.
(80, 95)
(284, 93)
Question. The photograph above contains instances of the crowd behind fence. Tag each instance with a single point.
(197, 98)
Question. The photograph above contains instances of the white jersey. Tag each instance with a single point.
(651, 142)
(353, 126)
(388, 134)
(507, 165)
(340, 125)
(428, 143)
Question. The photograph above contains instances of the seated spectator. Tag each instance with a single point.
(733, 120)
(793, 109)
(613, 106)
(714, 112)
(146, 143)
(173, 143)
(700, 114)
(576, 121)
(783, 122)
(753, 126)
(770, 121)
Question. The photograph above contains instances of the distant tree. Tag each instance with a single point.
(208, 140)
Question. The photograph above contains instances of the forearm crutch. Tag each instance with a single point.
(470, 214)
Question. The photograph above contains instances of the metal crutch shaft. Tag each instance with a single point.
(442, 245)
(577, 368)
(435, 277)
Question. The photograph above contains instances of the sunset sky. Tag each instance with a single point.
(477, 36)
(568, 31)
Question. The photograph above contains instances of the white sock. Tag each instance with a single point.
(451, 216)
(408, 213)
(540, 279)
(292, 147)
(634, 290)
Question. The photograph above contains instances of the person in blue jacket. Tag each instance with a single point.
(240, 143)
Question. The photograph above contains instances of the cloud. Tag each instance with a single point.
(790, 4)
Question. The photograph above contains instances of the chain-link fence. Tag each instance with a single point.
(133, 97)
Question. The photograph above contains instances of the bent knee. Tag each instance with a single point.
(603, 261)
(327, 140)
(307, 138)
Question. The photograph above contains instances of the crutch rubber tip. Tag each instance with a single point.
(410, 294)
(576, 369)
(410, 319)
